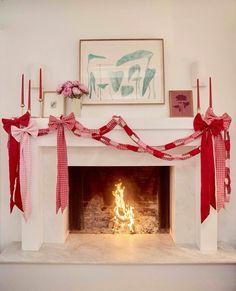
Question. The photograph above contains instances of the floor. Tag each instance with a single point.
(74, 277)
(117, 249)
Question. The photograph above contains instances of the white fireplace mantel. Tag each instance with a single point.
(137, 123)
(152, 132)
(45, 226)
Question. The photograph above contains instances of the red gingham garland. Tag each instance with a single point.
(157, 151)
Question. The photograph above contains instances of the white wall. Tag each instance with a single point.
(48, 32)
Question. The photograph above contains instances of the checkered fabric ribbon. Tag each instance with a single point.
(222, 155)
(207, 163)
(22, 135)
(227, 167)
(14, 158)
(157, 151)
(62, 187)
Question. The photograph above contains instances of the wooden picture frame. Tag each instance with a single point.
(122, 71)
(53, 104)
(181, 103)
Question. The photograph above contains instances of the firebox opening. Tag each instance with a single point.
(93, 205)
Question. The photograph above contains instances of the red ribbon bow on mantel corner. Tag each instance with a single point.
(14, 158)
(207, 162)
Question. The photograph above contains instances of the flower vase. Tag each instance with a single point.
(73, 105)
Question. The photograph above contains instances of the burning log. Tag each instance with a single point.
(123, 213)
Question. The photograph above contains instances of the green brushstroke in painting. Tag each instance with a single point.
(132, 70)
(126, 90)
(91, 78)
(116, 79)
(92, 86)
(134, 56)
(149, 75)
(102, 85)
(92, 56)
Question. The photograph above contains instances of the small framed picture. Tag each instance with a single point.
(181, 103)
(53, 104)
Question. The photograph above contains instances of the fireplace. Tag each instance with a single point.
(93, 206)
(45, 226)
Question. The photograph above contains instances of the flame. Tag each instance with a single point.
(123, 213)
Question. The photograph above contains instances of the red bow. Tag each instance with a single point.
(207, 162)
(215, 127)
(69, 121)
(62, 188)
(18, 122)
(14, 158)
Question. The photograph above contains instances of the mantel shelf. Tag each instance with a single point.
(138, 123)
(152, 132)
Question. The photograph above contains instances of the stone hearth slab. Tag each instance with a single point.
(117, 249)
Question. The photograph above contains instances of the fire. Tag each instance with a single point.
(123, 213)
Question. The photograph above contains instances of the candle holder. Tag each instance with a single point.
(22, 108)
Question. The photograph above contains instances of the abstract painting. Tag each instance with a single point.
(181, 103)
(122, 71)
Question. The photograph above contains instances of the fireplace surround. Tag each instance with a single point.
(184, 221)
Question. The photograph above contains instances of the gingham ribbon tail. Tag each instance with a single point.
(222, 153)
(62, 187)
(22, 135)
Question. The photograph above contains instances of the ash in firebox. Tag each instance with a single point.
(98, 217)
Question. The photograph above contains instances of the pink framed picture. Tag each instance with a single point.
(181, 103)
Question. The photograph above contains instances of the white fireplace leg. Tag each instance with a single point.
(207, 231)
(32, 230)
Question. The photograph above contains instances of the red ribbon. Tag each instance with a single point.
(62, 188)
(222, 156)
(207, 162)
(14, 158)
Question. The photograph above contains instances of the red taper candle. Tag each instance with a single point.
(22, 90)
(198, 96)
(210, 93)
(29, 96)
(40, 85)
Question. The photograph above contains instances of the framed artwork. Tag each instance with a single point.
(121, 71)
(53, 104)
(181, 103)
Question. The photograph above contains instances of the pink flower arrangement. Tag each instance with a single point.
(72, 89)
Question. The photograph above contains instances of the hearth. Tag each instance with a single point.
(119, 199)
